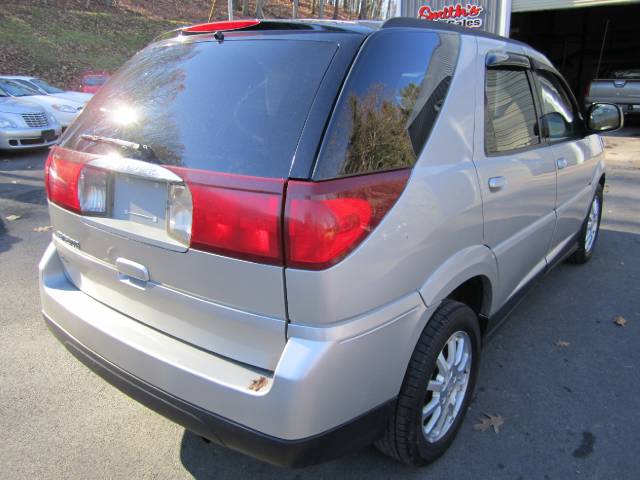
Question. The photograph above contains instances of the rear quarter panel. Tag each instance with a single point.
(438, 215)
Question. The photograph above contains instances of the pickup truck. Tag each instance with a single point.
(621, 87)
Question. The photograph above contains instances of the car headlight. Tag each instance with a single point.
(6, 123)
(65, 108)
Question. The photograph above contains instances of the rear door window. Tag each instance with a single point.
(511, 121)
(389, 103)
(236, 107)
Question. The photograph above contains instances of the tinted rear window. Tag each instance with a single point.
(94, 81)
(389, 103)
(236, 107)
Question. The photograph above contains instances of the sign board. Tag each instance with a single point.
(489, 15)
(469, 15)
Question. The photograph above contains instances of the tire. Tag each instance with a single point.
(404, 438)
(585, 247)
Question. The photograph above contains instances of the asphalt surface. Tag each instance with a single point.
(571, 410)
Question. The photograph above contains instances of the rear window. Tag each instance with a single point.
(94, 81)
(389, 103)
(236, 107)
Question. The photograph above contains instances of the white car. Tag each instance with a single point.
(45, 88)
(24, 124)
(65, 111)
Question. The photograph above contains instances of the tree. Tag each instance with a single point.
(378, 136)
(259, 5)
(336, 9)
(362, 14)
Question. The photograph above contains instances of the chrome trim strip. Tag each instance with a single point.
(136, 168)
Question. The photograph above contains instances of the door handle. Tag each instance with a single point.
(497, 183)
(561, 163)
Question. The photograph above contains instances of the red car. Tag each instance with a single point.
(92, 81)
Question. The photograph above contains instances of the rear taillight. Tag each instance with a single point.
(93, 189)
(74, 185)
(241, 216)
(62, 173)
(180, 213)
(236, 215)
(325, 221)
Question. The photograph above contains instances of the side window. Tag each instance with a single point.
(389, 103)
(560, 119)
(511, 122)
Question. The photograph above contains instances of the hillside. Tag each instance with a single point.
(60, 39)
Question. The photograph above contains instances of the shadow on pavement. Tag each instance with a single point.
(207, 461)
(545, 392)
(6, 240)
(10, 161)
(23, 193)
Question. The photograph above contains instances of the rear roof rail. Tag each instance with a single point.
(409, 22)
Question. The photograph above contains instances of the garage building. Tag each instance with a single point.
(585, 39)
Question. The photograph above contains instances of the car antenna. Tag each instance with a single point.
(219, 36)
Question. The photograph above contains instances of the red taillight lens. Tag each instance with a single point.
(236, 215)
(241, 216)
(325, 221)
(61, 179)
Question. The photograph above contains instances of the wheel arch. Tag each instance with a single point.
(469, 276)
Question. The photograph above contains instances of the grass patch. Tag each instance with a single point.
(59, 44)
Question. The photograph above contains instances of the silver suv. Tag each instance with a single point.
(293, 237)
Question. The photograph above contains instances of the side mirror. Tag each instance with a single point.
(604, 117)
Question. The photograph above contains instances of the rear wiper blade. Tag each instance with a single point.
(145, 151)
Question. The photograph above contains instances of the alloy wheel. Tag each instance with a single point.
(448, 386)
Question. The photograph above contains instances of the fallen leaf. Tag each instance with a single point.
(43, 229)
(620, 321)
(12, 218)
(562, 344)
(495, 421)
(258, 384)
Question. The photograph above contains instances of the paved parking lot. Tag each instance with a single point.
(571, 410)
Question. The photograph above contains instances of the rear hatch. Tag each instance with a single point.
(166, 193)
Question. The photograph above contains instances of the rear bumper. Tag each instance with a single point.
(329, 394)
(346, 438)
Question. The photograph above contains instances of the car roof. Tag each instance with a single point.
(363, 27)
